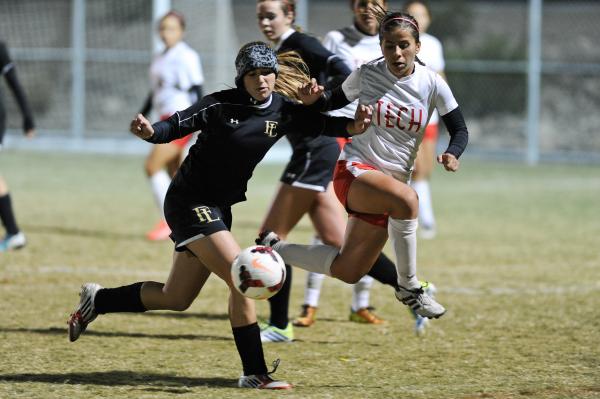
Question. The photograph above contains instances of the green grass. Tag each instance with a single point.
(516, 262)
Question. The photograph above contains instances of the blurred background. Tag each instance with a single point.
(525, 72)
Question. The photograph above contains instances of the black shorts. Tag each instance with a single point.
(191, 220)
(312, 167)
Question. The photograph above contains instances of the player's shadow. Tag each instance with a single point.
(80, 232)
(186, 315)
(121, 334)
(153, 381)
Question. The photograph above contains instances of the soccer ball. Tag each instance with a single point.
(258, 272)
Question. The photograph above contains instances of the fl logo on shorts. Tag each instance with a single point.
(205, 215)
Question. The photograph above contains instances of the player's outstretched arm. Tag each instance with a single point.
(141, 127)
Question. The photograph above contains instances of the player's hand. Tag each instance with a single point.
(449, 161)
(141, 127)
(362, 119)
(310, 92)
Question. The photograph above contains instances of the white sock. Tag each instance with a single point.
(159, 182)
(313, 289)
(426, 217)
(312, 258)
(403, 235)
(361, 292)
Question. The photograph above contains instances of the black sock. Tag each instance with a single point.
(385, 271)
(280, 302)
(122, 299)
(7, 215)
(247, 341)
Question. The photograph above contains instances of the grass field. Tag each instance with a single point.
(516, 262)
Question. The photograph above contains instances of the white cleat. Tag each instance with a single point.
(263, 381)
(12, 242)
(422, 323)
(420, 302)
(85, 312)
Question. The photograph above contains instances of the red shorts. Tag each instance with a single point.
(181, 142)
(344, 174)
(431, 132)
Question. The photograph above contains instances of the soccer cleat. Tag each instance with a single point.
(85, 312)
(421, 323)
(267, 238)
(365, 316)
(263, 381)
(420, 302)
(269, 333)
(307, 318)
(13, 241)
(160, 232)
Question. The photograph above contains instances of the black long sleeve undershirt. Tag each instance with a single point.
(19, 93)
(147, 105)
(459, 135)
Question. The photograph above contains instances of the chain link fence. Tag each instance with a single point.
(485, 43)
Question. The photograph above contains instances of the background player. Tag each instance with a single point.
(355, 44)
(432, 55)
(238, 127)
(176, 77)
(14, 238)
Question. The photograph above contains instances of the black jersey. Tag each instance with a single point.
(236, 135)
(324, 66)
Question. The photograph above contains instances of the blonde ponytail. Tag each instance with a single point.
(293, 73)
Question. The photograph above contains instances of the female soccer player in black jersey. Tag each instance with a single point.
(238, 128)
(14, 238)
(306, 181)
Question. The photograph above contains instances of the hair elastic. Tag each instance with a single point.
(401, 19)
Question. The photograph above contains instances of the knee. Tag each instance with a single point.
(179, 304)
(352, 276)
(406, 204)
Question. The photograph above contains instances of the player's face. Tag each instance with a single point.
(259, 83)
(170, 31)
(419, 11)
(272, 22)
(365, 20)
(399, 49)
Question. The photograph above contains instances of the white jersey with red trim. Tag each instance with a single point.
(172, 74)
(401, 110)
(432, 54)
(356, 49)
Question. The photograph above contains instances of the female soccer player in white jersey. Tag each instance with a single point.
(176, 77)
(356, 44)
(238, 126)
(306, 181)
(432, 55)
(373, 170)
